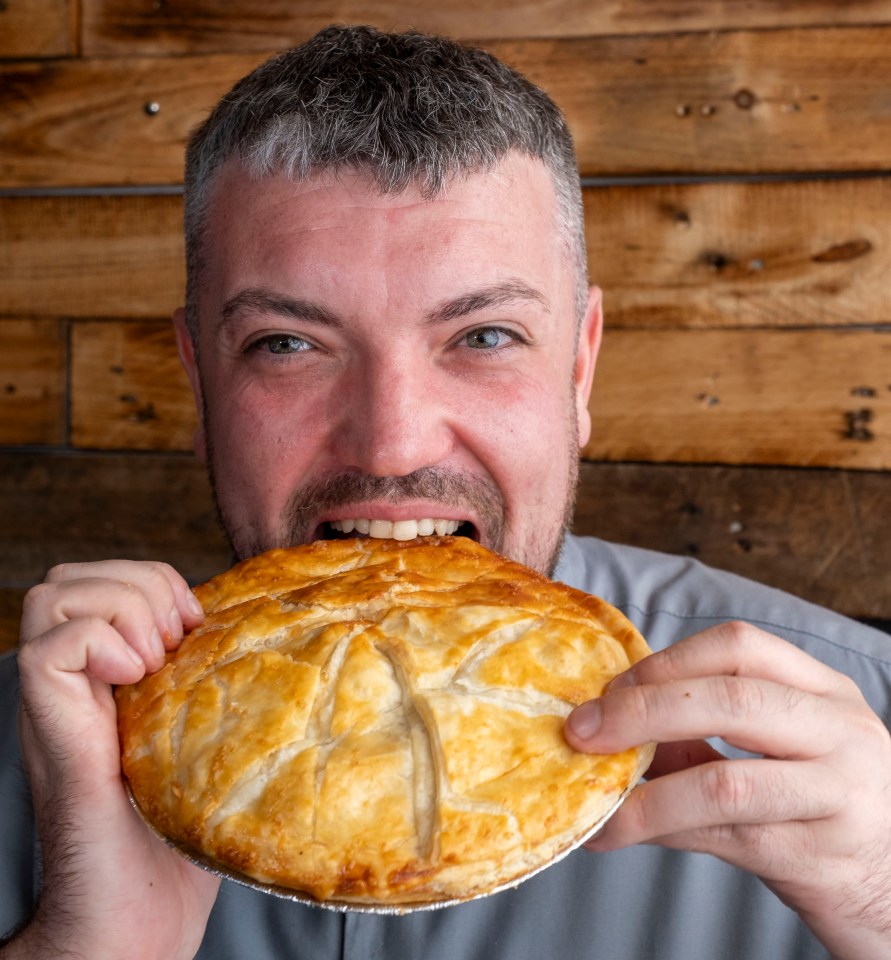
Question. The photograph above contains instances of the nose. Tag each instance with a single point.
(392, 419)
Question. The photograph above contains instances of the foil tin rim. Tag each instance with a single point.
(340, 906)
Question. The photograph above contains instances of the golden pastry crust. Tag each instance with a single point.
(371, 722)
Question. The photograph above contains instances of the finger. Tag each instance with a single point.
(737, 649)
(721, 794)
(120, 605)
(755, 715)
(680, 755)
(55, 662)
(174, 605)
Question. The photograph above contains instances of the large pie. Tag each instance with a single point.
(373, 723)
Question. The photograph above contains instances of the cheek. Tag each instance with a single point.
(527, 435)
(256, 435)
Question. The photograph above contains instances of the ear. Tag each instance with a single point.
(186, 348)
(590, 334)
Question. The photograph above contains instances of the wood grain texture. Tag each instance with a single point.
(92, 256)
(117, 27)
(792, 398)
(60, 507)
(128, 390)
(739, 102)
(86, 123)
(33, 381)
(37, 28)
(824, 535)
(778, 254)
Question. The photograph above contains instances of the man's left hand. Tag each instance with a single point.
(810, 814)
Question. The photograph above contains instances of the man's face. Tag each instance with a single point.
(389, 364)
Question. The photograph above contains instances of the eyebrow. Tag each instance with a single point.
(266, 301)
(496, 295)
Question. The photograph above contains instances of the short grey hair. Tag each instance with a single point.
(404, 109)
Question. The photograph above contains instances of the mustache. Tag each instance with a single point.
(478, 495)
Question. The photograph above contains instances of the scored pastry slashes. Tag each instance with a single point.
(378, 723)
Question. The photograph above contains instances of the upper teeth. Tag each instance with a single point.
(396, 529)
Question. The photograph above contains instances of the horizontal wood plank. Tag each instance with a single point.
(95, 122)
(669, 256)
(824, 535)
(793, 398)
(33, 381)
(117, 27)
(732, 103)
(58, 507)
(739, 102)
(92, 256)
(37, 28)
(128, 389)
(778, 254)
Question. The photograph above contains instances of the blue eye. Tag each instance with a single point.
(486, 338)
(281, 343)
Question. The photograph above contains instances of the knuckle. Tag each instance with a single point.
(872, 729)
(158, 575)
(757, 844)
(38, 610)
(740, 697)
(729, 788)
(63, 571)
(739, 635)
(37, 596)
(670, 661)
(638, 708)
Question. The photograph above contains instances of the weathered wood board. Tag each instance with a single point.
(94, 122)
(33, 384)
(824, 535)
(806, 398)
(91, 256)
(712, 255)
(128, 389)
(38, 28)
(117, 27)
(736, 102)
(65, 507)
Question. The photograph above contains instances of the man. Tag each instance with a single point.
(388, 328)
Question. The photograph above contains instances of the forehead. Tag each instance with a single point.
(518, 190)
(482, 228)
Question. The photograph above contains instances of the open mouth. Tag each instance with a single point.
(395, 529)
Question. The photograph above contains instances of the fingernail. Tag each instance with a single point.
(586, 719)
(156, 643)
(133, 655)
(194, 605)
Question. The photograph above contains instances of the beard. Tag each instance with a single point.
(478, 496)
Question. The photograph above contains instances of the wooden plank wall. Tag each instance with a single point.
(735, 158)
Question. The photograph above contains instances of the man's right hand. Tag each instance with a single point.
(110, 888)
